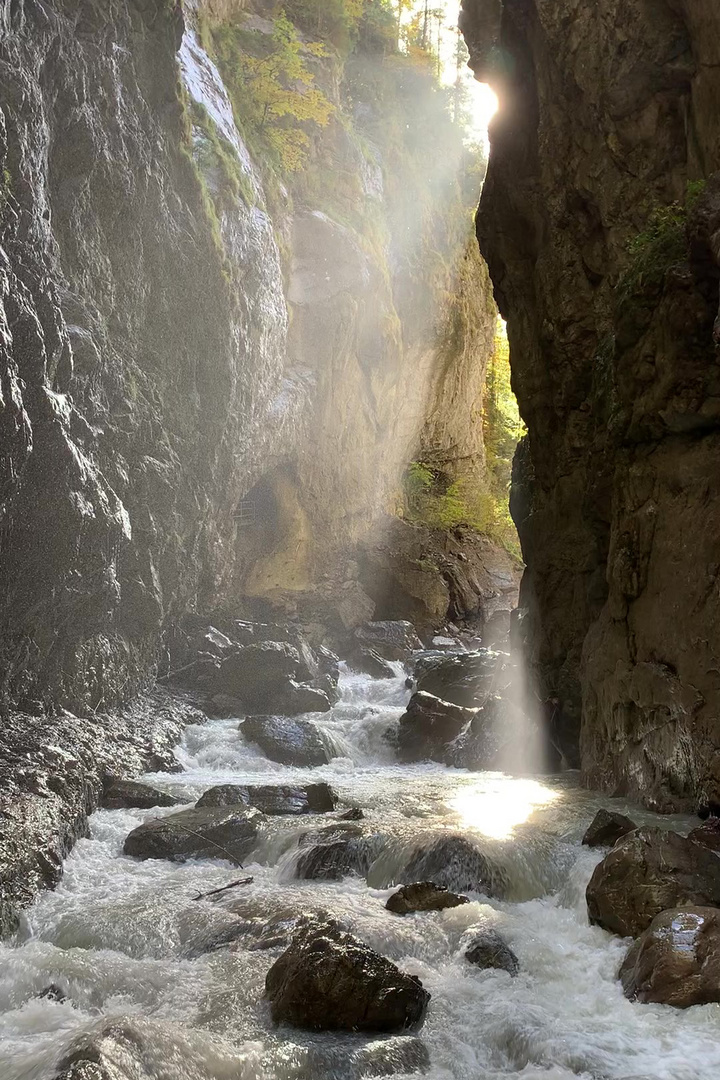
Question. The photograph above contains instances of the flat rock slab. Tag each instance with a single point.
(676, 961)
(328, 980)
(647, 872)
(273, 799)
(207, 833)
(423, 896)
(131, 794)
(606, 828)
(488, 949)
(288, 740)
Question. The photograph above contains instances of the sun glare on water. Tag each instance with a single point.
(495, 810)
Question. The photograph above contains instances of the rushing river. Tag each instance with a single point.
(124, 939)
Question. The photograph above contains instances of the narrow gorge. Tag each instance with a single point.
(359, 664)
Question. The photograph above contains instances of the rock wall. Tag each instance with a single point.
(598, 221)
(175, 359)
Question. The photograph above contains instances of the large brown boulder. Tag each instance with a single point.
(649, 871)
(677, 960)
(289, 740)
(207, 833)
(328, 980)
(429, 726)
(423, 896)
(273, 799)
(454, 863)
(606, 828)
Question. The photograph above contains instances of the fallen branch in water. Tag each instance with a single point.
(232, 885)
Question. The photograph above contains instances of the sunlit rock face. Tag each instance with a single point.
(607, 111)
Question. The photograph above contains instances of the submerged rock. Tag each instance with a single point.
(676, 961)
(208, 833)
(606, 828)
(428, 727)
(289, 740)
(454, 863)
(332, 853)
(392, 640)
(273, 799)
(120, 794)
(329, 980)
(647, 872)
(423, 896)
(488, 949)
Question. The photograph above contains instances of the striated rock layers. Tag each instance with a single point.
(170, 439)
(599, 221)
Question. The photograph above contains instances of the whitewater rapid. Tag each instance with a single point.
(125, 940)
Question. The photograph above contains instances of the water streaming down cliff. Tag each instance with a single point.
(124, 940)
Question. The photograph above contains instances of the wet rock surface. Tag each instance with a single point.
(429, 726)
(121, 794)
(676, 961)
(707, 834)
(329, 980)
(391, 640)
(273, 798)
(288, 740)
(208, 833)
(423, 896)
(334, 852)
(48, 787)
(454, 863)
(607, 827)
(462, 680)
(488, 949)
(647, 872)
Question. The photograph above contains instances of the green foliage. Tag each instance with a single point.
(272, 89)
(218, 160)
(660, 246)
(335, 21)
(502, 431)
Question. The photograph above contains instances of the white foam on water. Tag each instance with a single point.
(125, 940)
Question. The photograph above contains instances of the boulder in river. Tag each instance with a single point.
(428, 727)
(123, 794)
(370, 663)
(423, 896)
(273, 798)
(488, 949)
(289, 740)
(392, 640)
(707, 834)
(334, 852)
(455, 863)
(606, 828)
(328, 980)
(462, 679)
(270, 676)
(676, 961)
(206, 833)
(649, 871)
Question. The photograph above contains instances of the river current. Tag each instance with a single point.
(124, 940)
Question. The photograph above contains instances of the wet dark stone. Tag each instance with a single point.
(647, 872)
(489, 950)
(676, 961)
(371, 663)
(463, 679)
(271, 676)
(454, 863)
(355, 813)
(329, 980)
(336, 852)
(392, 640)
(707, 834)
(428, 727)
(120, 794)
(606, 828)
(288, 740)
(209, 833)
(423, 896)
(273, 799)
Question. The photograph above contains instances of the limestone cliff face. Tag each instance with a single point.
(598, 221)
(205, 397)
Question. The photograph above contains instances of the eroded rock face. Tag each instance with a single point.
(329, 980)
(677, 959)
(288, 740)
(423, 896)
(206, 833)
(393, 640)
(488, 949)
(273, 798)
(606, 828)
(647, 872)
(608, 111)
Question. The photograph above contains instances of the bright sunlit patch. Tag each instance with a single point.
(485, 105)
(495, 809)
